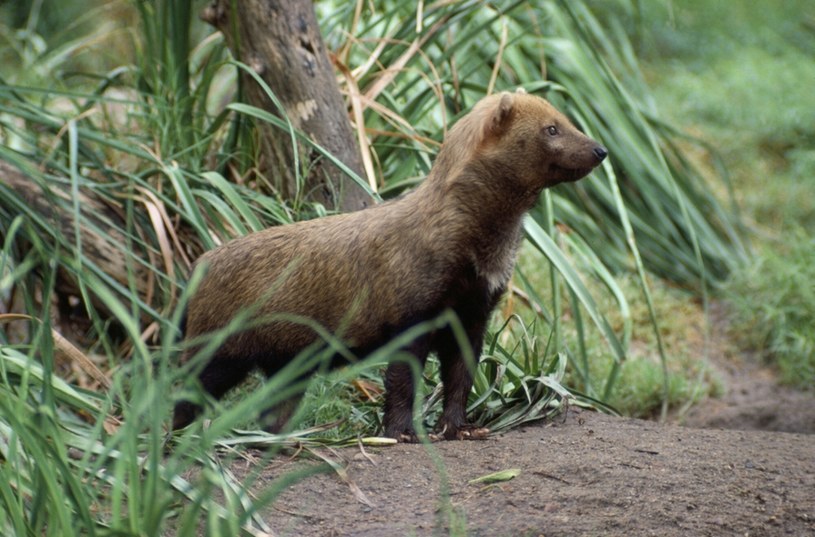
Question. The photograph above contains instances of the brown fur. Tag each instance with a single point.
(371, 274)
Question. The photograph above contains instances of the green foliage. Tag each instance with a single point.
(161, 142)
(81, 463)
(46, 43)
(643, 382)
(740, 83)
(774, 304)
(749, 100)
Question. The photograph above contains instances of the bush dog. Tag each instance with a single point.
(369, 275)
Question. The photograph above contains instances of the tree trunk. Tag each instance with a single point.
(281, 41)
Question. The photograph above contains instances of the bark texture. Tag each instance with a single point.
(281, 41)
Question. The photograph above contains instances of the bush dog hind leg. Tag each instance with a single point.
(400, 390)
(220, 375)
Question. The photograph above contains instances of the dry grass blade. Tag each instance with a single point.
(67, 349)
(496, 477)
(499, 56)
(359, 122)
(399, 122)
(387, 76)
(343, 473)
(161, 235)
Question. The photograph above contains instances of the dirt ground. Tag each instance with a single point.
(753, 399)
(588, 475)
(755, 402)
(729, 470)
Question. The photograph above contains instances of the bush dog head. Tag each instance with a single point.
(533, 144)
(370, 275)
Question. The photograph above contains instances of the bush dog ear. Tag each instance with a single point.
(501, 116)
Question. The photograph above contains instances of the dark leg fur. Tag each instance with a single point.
(457, 379)
(399, 394)
(219, 375)
(399, 390)
(275, 418)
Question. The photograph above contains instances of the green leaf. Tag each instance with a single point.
(496, 477)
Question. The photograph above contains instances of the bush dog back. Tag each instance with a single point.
(370, 275)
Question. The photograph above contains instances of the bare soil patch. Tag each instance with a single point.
(753, 399)
(589, 474)
(755, 402)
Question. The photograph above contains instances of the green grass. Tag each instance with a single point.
(174, 158)
(773, 301)
(645, 210)
(641, 387)
(753, 105)
(743, 85)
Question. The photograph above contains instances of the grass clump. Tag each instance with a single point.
(643, 384)
(773, 302)
(739, 85)
(355, 404)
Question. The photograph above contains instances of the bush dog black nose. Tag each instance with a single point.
(600, 152)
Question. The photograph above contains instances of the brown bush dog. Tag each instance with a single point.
(372, 274)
